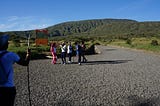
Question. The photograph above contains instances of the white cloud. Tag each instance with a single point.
(12, 18)
(2, 25)
(15, 23)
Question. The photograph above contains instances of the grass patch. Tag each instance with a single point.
(139, 43)
(39, 52)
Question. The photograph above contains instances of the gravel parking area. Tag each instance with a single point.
(116, 77)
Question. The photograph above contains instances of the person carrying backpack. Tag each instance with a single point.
(7, 59)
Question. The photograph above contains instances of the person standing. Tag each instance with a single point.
(63, 53)
(7, 59)
(53, 51)
(69, 52)
(78, 52)
(83, 46)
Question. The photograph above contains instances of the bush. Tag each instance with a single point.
(129, 41)
(154, 42)
(16, 43)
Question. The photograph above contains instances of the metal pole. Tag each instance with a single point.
(29, 92)
(28, 40)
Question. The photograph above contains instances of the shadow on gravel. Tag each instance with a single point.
(139, 101)
(110, 49)
(106, 62)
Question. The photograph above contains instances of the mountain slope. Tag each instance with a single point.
(115, 28)
(106, 27)
(84, 27)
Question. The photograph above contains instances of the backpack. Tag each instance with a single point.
(83, 47)
(70, 49)
(3, 74)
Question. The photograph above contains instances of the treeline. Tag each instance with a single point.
(111, 28)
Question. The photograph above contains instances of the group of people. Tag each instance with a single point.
(67, 50)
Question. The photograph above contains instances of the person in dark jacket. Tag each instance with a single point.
(83, 46)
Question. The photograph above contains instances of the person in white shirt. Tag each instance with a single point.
(63, 52)
(69, 52)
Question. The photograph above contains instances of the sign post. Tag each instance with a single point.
(29, 92)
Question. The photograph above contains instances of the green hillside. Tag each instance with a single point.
(114, 28)
(88, 27)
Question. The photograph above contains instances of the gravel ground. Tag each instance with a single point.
(116, 77)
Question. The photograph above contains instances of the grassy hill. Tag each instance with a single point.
(114, 28)
(86, 27)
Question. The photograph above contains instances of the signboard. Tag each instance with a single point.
(41, 41)
(41, 37)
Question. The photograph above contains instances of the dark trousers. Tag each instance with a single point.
(63, 57)
(7, 96)
(69, 56)
(79, 58)
(83, 57)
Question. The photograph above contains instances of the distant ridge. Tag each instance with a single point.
(102, 27)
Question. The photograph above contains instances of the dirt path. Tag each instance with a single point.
(116, 77)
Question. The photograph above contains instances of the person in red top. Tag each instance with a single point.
(53, 51)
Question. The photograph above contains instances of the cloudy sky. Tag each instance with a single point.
(20, 15)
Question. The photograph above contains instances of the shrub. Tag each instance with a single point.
(154, 42)
(16, 43)
(129, 41)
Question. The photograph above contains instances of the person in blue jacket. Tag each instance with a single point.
(7, 59)
(78, 52)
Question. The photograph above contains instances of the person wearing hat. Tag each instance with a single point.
(7, 59)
